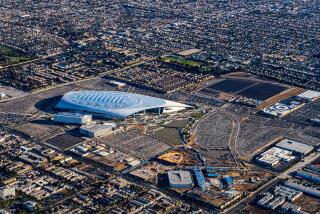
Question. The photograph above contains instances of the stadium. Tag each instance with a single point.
(114, 104)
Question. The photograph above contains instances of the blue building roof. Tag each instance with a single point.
(199, 177)
(211, 171)
(308, 176)
(114, 104)
(228, 180)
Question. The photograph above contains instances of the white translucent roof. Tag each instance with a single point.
(112, 104)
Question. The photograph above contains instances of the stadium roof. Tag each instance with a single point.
(114, 104)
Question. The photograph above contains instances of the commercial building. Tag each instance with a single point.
(200, 180)
(6, 192)
(288, 193)
(265, 199)
(313, 168)
(117, 83)
(72, 118)
(291, 208)
(283, 108)
(294, 146)
(211, 172)
(308, 176)
(97, 130)
(307, 190)
(274, 156)
(228, 181)
(115, 104)
(275, 203)
(180, 179)
(309, 95)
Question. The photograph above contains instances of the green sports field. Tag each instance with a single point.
(10, 56)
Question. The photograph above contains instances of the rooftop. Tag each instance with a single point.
(294, 146)
(113, 104)
(180, 177)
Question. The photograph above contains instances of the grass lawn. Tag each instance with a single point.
(197, 115)
(10, 56)
(181, 61)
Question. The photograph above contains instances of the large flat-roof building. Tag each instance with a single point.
(72, 118)
(307, 190)
(283, 108)
(97, 130)
(295, 146)
(180, 179)
(273, 156)
(309, 95)
(115, 104)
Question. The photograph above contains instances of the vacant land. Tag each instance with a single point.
(308, 204)
(10, 56)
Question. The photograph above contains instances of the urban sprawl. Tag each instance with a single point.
(167, 106)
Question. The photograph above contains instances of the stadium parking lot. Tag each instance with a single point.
(135, 143)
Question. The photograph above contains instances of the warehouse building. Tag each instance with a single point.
(97, 130)
(307, 190)
(283, 108)
(180, 179)
(265, 199)
(275, 203)
(313, 168)
(308, 176)
(199, 177)
(309, 95)
(228, 181)
(72, 118)
(294, 146)
(288, 193)
(291, 208)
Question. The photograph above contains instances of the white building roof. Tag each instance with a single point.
(274, 155)
(98, 127)
(294, 146)
(310, 95)
(113, 104)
